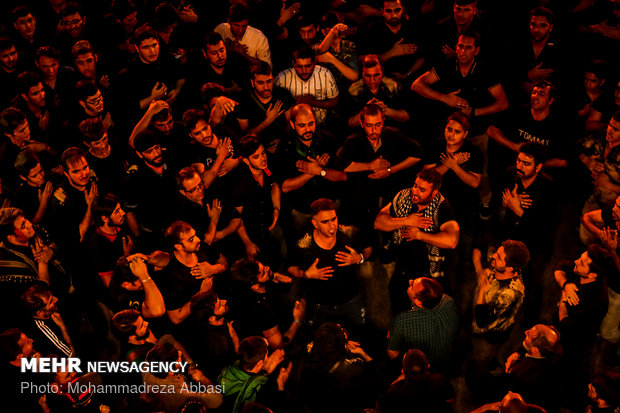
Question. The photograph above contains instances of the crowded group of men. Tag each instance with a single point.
(238, 184)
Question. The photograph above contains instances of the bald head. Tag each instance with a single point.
(513, 403)
(303, 122)
(541, 340)
(301, 108)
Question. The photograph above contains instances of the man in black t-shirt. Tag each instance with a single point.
(326, 259)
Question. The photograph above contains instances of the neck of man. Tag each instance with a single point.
(80, 188)
(101, 154)
(51, 82)
(540, 114)
(306, 142)
(17, 241)
(453, 147)
(217, 69)
(394, 29)
(188, 259)
(36, 110)
(261, 99)
(327, 243)
(158, 169)
(109, 229)
(90, 113)
(466, 67)
(257, 174)
(526, 182)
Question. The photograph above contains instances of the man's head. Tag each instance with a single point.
(198, 128)
(253, 352)
(613, 129)
(307, 30)
(215, 50)
(85, 59)
(72, 20)
(372, 72)
(238, 18)
(464, 12)
(75, 167)
(126, 14)
(190, 184)
(15, 227)
(372, 120)
(14, 125)
(8, 54)
(457, 128)
(146, 42)
(304, 61)
(31, 89)
(510, 259)
(425, 187)
(262, 80)
(303, 122)
(541, 24)
(252, 153)
(467, 48)
(415, 364)
(392, 12)
(324, 218)
(165, 353)
(14, 345)
(513, 403)
(593, 262)
(541, 96)
(89, 97)
(132, 326)
(595, 75)
(207, 306)
(182, 238)
(163, 122)
(148, 148)
(38, 299)
(251, 273)
(604, 387)
(47, 60)
(29, 168)
(94, 135)
(541, 340)
(24, 22)
(530, 160)
(107, 211)
(424, 292)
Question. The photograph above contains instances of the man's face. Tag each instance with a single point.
(464, 14)
(25, 345)
(49, 308)
(238, 28)
(326, 223)
(216, 54)
(422, 192)
(117, 217)
(592, 82)
(94, 103)
(78, 173)
(530, 336)
(263, 86)
(304, 68)
(498, 263)
(613, 132)
(48, 66)
(130, 21)
(454, 133)
(101, 145)
(466, 50)
(373, 126)
(36, 176)
(540, 28)
(526, 167)
(21, 134)
(264, 273)
(8, 59)
(415, 288)
(165, 126)
(221, 308)
(142, 328)
(148, 51)
(36, 95)
(86, 64)
(540, 98)
(372, 77)
(305, 125)
(308, 33)
(26, 26)
(73, 24)
(23, 229)
(582, 266)
(392, 12)
(203, 134)
(258, 160)
(193, 189)
(152, 156)
(190, 243)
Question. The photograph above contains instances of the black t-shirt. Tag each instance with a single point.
(343, 285)
(252, 109)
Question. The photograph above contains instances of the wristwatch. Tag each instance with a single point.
(323, 172)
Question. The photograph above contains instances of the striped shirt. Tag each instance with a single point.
(254, 39)
(321, 85)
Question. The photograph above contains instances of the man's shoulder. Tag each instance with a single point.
(253, 31)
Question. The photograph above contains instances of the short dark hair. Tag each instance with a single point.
(543, 12)
(104, 207)
(164, 352)
(71, 8)
(26, 80)
(371, 60)
(329, 343)
(415, 363)
(165, 16)
(248, 145)
(212, 39)
(84, 89)
(6, 43)
(19, 12)
(536, 150)
(34, 297)
(81, 47)
(25, 161)
(9, 347)
(184, 174)
(517, 254)
(71, 155)
(143, 33)
(472, 35)
(299, 108)
(431, 292)
(238, 12)
(122, 8)
(7, 220)
(174, 231)
(602, 262)
(465, 2)
(431, 176)
(598, 67)
(123, 321)
(191, 117)
(262, 68)
(321, 204)
(10, 119)
(47, 51)
(245, 271)
(460, 118)
(304, 52)
(92, 129)
(252, 350)
(545, 83)
(202, 305)
(371, 109)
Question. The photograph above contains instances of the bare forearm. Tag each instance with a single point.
(153, 305)
(297, 182)
(398, 115)
(442, 239)
(385, 222)
(43, 272)
(470, 179)
(232, 226)
(83, 227)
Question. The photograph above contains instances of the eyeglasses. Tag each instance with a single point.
(194, 189)
(95, 101)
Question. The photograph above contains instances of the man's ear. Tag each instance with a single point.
(246, 161)
(23, 178)
(539, 167)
